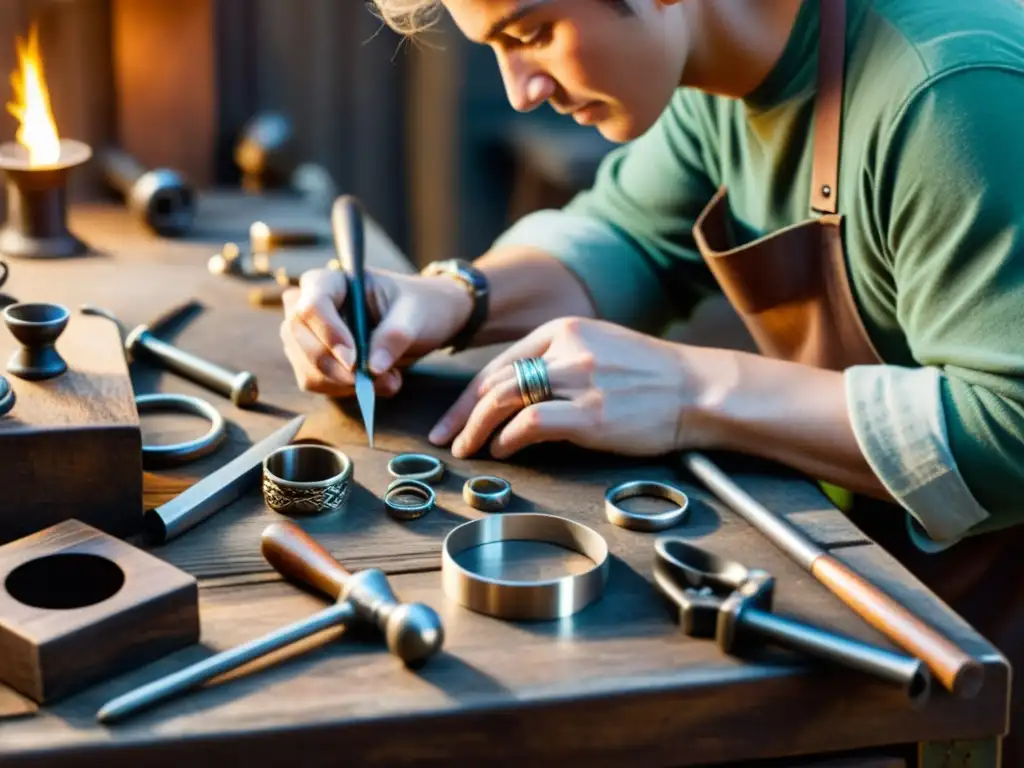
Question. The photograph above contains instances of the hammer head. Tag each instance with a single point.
(708, 591)
(413, 631)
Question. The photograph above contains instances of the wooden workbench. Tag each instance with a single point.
(616, 685)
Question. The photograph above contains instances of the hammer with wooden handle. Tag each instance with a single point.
(413, 631)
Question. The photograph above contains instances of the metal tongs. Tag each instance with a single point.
(724, 600)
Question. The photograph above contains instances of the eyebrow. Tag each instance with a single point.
(514, 16)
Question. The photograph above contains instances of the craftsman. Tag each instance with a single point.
(861, 210)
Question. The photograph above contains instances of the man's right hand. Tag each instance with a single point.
(414, 315)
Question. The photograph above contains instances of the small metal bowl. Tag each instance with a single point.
(306, 479)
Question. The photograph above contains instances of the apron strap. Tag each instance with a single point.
(828, 107)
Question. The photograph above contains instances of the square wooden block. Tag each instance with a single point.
(78, 606)
(72, 445)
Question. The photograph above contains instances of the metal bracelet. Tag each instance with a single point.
(7, 396)
(406, 512)
(646, 523)
(540, 599)
(487, 493)
(416, 466)
(173, 454)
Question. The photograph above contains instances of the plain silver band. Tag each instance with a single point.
(181, 453)
(432, 475)
(409, 511)
(641, 522)
(547, 599)
(487, 501)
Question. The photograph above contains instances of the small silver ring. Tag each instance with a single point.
(487, 493)
(405, 512)
(416, 466)
(174, 454)
(640, 522)
(7, 396)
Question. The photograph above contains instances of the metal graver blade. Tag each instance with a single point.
(218, 489)
(366, 397)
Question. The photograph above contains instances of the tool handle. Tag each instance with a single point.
(905, 671)
(121, 169)
(347, 224)
(185, 679)
(298, 557)
(238, 386)
(952, 667)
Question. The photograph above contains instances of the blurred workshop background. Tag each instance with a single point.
(419, 130)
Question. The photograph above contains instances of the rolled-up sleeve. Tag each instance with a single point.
(947, 439)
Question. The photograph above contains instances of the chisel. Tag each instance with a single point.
(347, 225)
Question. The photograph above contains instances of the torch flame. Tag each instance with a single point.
(38, 129)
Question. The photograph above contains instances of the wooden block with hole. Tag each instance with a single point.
(78, 606)
(71, 447)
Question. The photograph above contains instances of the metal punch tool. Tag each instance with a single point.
(722, 599)
(240, 387)
(412, 631)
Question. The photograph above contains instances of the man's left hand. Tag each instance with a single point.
(613, 390)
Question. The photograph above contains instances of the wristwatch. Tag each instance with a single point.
(476, 283)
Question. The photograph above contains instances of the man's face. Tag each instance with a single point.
(587, 58)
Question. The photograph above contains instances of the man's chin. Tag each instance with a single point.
(618, 130)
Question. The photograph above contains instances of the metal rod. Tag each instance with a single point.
(909, 673)
(178, 682)
(952, 666)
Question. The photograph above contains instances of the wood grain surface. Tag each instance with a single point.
(94, 471)
(65, 626)
(618, 684)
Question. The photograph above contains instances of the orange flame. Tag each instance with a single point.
(38, 129)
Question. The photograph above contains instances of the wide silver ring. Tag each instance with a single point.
(532, 378)
(174, 454)
(635, 521)
(416, 466)
(487, 493)
(306, 479)
(539, 599)
(404, 511)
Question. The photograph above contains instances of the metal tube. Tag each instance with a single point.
(177, 682)
(780, 533)
(240, 387)
(909, 673)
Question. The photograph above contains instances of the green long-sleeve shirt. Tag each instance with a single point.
(932, 189)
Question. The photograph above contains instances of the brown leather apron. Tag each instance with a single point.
(792, 291)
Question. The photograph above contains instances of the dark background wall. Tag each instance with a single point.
(420, 130)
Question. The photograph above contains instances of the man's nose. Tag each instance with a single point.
(527, 87)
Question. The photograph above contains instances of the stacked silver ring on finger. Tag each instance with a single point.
(532, 378)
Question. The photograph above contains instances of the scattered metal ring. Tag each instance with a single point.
(493, 500)
(155, 456)
(416, 466)
(530, 599)
(640, 522)
(7, 397)
(406, 512)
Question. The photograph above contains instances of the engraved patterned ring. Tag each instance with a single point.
(532, 378)
(306, 479)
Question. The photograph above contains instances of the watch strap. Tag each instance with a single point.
(476, 283)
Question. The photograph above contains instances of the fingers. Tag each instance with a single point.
(501, 402)
(394, 335)
(552, 421)
(452, 422)
(317, 370)
(315, 306)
